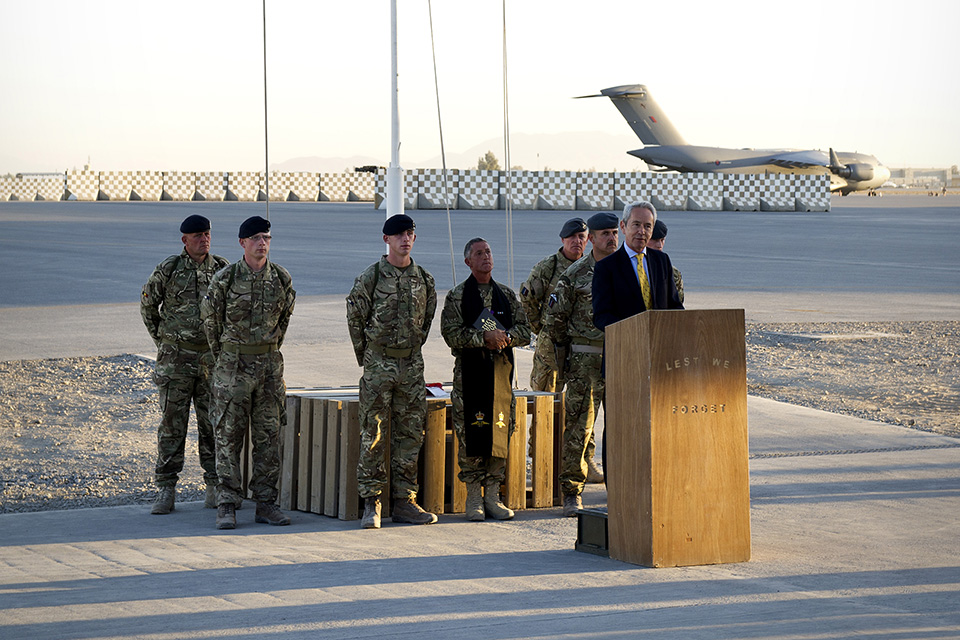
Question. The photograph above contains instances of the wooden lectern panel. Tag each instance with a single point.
(678, 488)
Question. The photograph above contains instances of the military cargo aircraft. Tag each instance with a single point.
(666, 150)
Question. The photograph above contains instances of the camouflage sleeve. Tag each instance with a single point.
(454, 333)
(291, 298)
(151, 298)
(532, 293)
(431, 309)
(678, 280)
(520, 331)
(558, 312)
(358, 310)
(212, 312)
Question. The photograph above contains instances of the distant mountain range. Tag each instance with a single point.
(577, 151)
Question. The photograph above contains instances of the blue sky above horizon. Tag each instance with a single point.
(177, 84)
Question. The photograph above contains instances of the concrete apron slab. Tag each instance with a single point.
(854, 531)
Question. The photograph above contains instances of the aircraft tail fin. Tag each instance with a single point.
(643, 114)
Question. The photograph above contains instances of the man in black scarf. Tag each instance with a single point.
(482, 321)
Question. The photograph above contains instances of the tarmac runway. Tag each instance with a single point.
(854, 523)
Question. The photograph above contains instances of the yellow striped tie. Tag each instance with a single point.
(644, 283)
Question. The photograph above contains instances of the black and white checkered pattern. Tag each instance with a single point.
(704, 191)
(245, 185)
(180, 185)
(6, 188)
(742, 191)
(148, 185)
(303, 186)
(595, 191)
(116, 185)
(212, 185)
(812, 192)
(668, 191)
(479, 189)
(411, 186)
(558, 190)
(630, 187)
(521, 187)
(438, 191)
(83, 184)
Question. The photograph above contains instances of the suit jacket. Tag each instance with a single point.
(616, 291)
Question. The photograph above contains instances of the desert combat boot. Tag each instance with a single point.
(269, 513)
(474, 510)
(371, 513)
(572, 503)
(164, 502)
(491, 502)
(594, 472)
(226, 517)
(407, 510)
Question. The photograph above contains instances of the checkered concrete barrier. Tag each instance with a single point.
(411, 185)
(82, 185)
(179, 185)
(115, 185)
(438, 190)
(302, 186)
(558, 190)
(704, 191)
(742, 191)
(147, 185)
(479, 189)
(522, 188)
(243, 186)
(777, 193)
(594, 191)
(630, 187)
(360, 186)
(34, 187)
(211, 185)
(812, 192)
(6, 187)
(668, 191)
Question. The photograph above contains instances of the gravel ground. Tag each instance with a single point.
(81, 432)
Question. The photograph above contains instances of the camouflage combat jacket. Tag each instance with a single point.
(459, 337)
(535, 292)
(570, 309)
(391, 308)
(246, 307)
(170, 301)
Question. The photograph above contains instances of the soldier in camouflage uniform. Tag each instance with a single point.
(569, 324)
(170, 307)
(534, 294)
(389, 313)
(245, 316)
(657, 240)
(483, 474)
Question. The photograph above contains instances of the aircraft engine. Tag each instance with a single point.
(858, 172)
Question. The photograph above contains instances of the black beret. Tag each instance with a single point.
(659, 230)
(398, 224)
(603, 220)
(194, 224)
(254, 225)
(572, 226)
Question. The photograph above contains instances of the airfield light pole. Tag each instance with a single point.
(394, 172)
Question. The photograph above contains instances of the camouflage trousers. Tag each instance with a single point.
(475, 469)
(176, 394)
(584, 395)
(543, 376)
(248, 390)
(393, 403)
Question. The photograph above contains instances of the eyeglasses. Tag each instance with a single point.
(261, 237)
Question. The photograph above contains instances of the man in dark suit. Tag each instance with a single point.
(617, 289)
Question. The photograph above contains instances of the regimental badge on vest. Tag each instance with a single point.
(480, 422)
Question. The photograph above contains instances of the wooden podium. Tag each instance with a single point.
(678, 489)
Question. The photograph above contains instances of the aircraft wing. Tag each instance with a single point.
(800, 159)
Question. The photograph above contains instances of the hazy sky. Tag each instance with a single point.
(178, 84)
